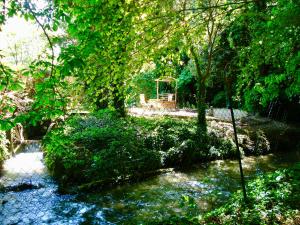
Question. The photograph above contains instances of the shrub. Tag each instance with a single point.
(165, 133)
(178, 140)
(220, 147)
(97, 147)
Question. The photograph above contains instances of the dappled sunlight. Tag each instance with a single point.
(226, 166)
(174, 178)
(218, 113)
(249, 163)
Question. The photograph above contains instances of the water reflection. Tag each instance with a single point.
(210, 184)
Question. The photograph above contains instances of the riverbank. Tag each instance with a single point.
(105, 150)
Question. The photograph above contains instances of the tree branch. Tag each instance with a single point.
(204, 8)
(47, 36)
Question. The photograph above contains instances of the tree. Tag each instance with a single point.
(31, 94)
(193, 27)
(114, 39)
(103, 32)
(269, 62)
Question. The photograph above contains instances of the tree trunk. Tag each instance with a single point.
(201, 92)
(201, 106)
(118, 96)
(119, 103)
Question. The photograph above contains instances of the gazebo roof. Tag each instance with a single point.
(165, 79)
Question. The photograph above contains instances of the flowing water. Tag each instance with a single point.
(30, 195)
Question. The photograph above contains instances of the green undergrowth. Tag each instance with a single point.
(273, 198)
(103, 149)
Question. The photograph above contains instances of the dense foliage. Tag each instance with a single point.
(276, 33)
(108, 148)
(260, 58)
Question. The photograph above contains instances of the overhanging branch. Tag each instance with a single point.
(204, 8)
(47, 36)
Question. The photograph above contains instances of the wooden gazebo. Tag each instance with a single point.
(163, 100)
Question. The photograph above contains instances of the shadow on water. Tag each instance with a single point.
(210, 184)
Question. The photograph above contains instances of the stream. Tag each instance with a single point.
(30, 195)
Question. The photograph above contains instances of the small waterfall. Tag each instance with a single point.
(27, 163)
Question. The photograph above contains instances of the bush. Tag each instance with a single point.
(165, 133)
(177, 140)
(99, 147)
(220, 147)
